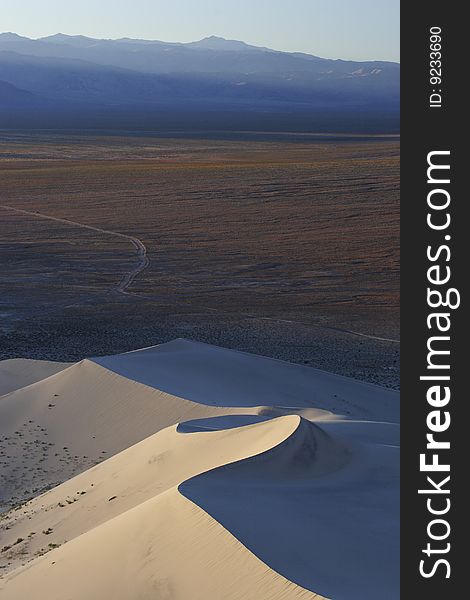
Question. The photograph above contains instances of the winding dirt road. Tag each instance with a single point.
(129, 277)
(143, 263)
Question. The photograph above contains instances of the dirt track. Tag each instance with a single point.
(288, 250)
(129, 277)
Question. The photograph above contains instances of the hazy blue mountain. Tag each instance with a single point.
(86, 81)
(212, 54)
(214, 42)
(78, 73)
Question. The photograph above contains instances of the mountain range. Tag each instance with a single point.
(77, 81)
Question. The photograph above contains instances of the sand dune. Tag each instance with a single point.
(60, 426)
(319, 509)
(147, 469)
(147, 529)
(278, 485)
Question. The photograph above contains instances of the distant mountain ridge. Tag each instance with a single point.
(213, 74)
(213, 53)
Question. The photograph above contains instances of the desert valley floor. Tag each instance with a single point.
(287, 249)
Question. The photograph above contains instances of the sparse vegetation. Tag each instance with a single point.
(254, 233)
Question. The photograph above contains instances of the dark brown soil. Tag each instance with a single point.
(278, 248)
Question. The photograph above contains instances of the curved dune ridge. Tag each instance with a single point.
(59, 426)
(185, 500)
(316, 508)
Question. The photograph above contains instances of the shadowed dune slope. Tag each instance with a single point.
(217, 376)
(321, 508)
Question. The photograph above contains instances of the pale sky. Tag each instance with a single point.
(349, 29)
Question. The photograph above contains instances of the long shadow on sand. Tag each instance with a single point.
(321, 508)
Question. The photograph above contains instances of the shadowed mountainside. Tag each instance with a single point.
(77, 78)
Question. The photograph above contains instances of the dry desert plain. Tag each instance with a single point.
(287, 249)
